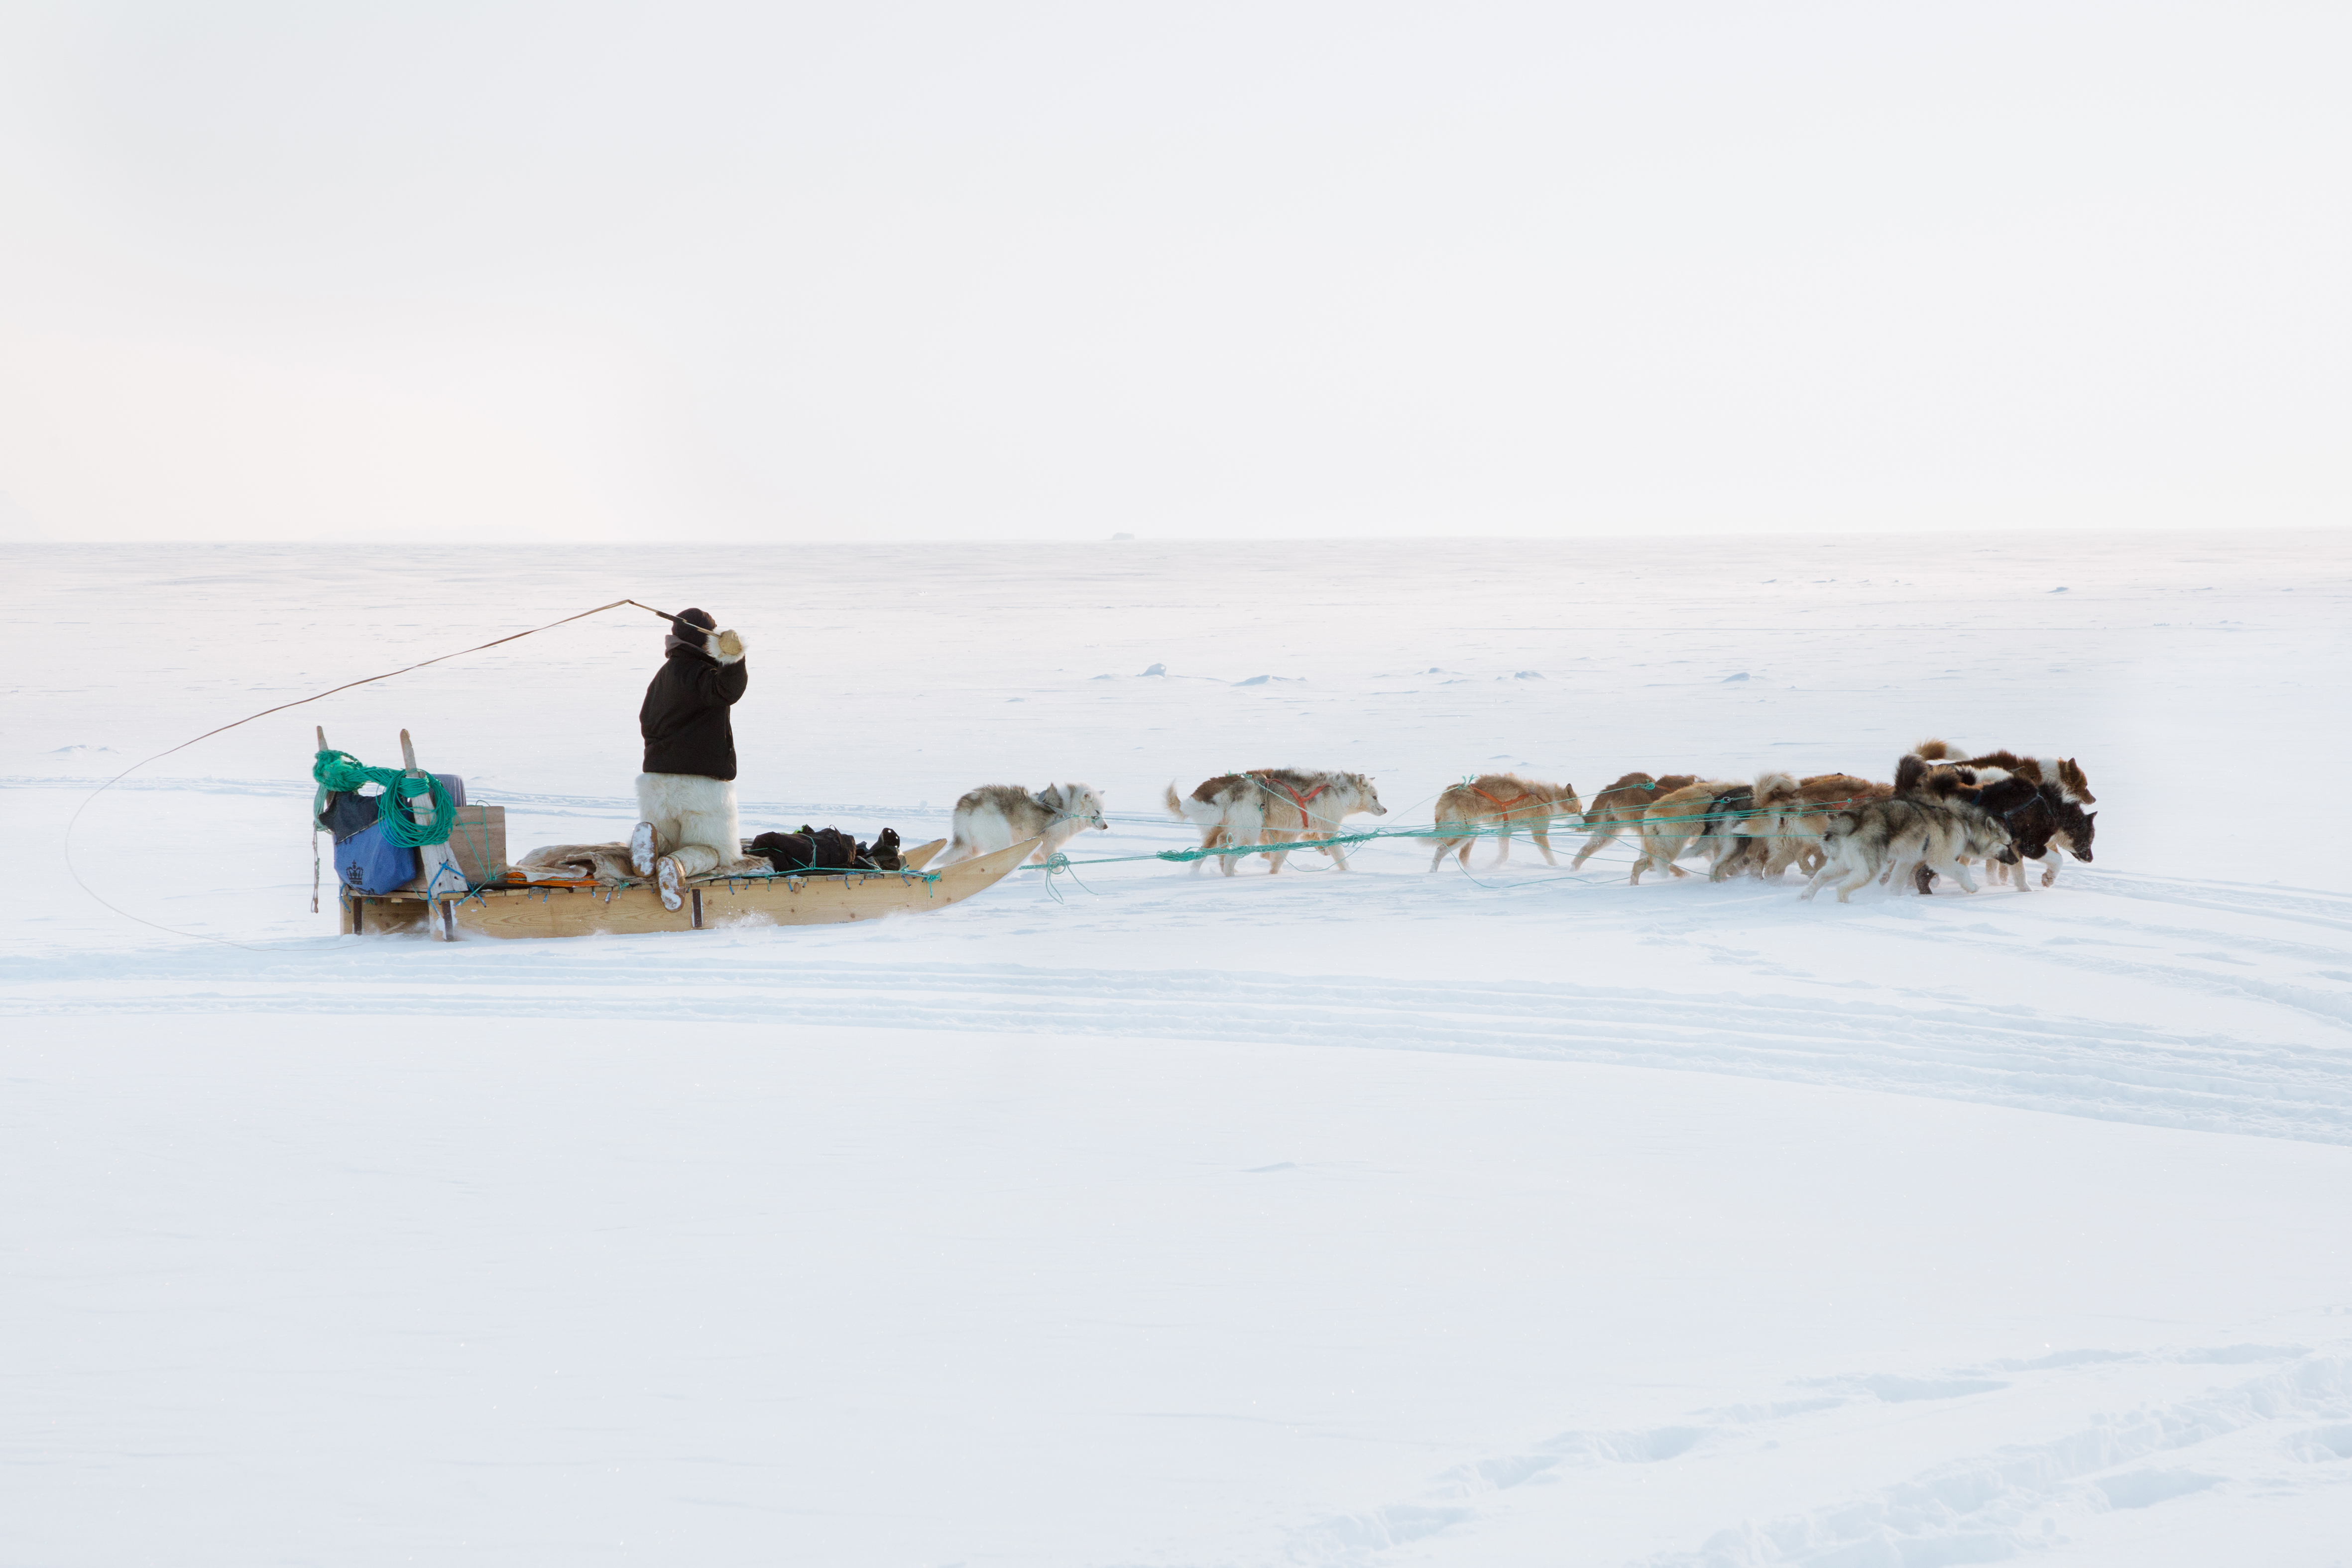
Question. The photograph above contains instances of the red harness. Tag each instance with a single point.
(1273, 784)
(1502, 806)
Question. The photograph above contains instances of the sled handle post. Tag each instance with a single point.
(314, 838)
(440, 913)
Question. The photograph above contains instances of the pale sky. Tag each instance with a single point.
(819, 274)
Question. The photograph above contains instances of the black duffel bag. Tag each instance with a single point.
(811, 849)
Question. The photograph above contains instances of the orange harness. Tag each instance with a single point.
(1502, 806)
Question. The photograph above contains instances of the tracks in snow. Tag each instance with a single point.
(2286, 1429)
(1938, 1046)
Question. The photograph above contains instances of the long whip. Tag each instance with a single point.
(369, 680)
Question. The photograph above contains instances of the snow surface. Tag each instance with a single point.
(1384, 1218)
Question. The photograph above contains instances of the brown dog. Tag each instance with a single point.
(1696, 817)
(1790, 814)
(2062, 771)
(1620, 807)
(1495, 803)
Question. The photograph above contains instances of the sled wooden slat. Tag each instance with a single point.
(920, 855)
(368, 915)
(755, 900)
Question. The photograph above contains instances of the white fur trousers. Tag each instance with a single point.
(694, 819)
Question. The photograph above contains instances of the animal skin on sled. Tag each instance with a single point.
(610, 863)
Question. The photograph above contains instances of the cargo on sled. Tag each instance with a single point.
(389, 882)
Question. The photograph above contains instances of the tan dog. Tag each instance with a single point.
(1275, 806)
(1495, 803)
(1691, 818)
(1790, 814)
(1620, 807)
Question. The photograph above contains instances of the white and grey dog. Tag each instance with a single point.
(1893, 835)
(1274, 805)
(998, 816)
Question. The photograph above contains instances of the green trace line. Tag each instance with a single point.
(1060, 865)
(1063, 862)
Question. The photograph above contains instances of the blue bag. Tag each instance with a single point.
(368, 861)
(365, 860)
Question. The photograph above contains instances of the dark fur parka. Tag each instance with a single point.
(685, 719)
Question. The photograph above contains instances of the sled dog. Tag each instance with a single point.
(1495, 803)
(2070, 828)
(1620, 807)
(2024, 817)
(1274, 805)
(1855, 843)
(1789, 814)
(2065, 773)
(1691, 818)
(998, 816)
(1889, 836)
(2073, 833)
(1742, 850)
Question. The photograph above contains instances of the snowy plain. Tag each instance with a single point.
(1156, 1218)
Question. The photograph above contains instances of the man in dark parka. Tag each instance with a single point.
(685, 795)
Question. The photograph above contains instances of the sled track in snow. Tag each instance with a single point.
(2285, 1423)
(1936, 1047)
(2293, 905)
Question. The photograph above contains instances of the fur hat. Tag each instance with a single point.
(695, 629)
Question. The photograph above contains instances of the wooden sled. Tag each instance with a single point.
(813, 900)
(497, 906)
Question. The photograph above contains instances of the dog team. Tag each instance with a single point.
(1941, 813)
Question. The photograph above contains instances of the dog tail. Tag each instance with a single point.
(1202, 814)
(1910, 773)
(1933, 750)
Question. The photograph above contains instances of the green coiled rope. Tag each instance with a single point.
(338, 772)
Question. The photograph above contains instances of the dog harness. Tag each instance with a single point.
(1060, 815)
(1502, 806)
(1273, 786)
